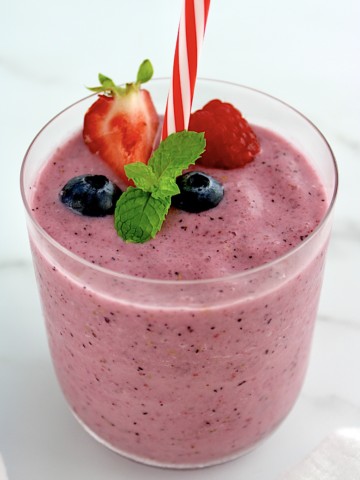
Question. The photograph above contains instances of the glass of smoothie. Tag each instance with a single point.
(190, 349)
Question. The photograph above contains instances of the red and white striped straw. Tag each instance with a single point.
(188, 45)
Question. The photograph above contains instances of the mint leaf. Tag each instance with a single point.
(166, 187)
(176, 153)
(145, 72)
(139, 216)
(141, 210)
(145, 178)
(142, 175)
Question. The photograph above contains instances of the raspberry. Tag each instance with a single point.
(230, 141)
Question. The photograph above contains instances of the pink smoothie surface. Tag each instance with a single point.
(269, 207)
(181, 385)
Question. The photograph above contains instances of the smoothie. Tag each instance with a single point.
(189, 349)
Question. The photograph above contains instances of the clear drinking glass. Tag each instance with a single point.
(175, 373)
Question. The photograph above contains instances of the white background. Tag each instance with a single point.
(306, 53)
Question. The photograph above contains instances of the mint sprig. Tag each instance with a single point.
(141, 210)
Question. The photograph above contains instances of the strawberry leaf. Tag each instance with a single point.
(145, 72)
(106, 82)
(108, 86)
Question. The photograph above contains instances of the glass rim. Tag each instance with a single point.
(148, 280)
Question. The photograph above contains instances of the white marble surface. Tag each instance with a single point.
(303, 52)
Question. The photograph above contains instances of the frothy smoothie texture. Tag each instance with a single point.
(190, 348)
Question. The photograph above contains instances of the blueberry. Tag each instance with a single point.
(198, 192)
(90, 195)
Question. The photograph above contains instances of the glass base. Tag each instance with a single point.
(154, 463)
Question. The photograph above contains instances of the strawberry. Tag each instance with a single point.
(230, 141)
(121, 125)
